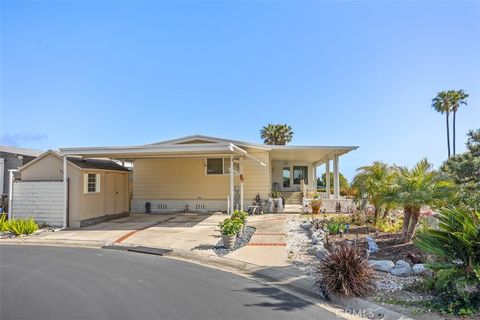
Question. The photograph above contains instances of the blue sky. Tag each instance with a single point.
(341, 73)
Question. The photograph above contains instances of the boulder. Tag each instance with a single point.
(305, 225)
(321, 253)
(401, 269)
(420, 269)
(381, 265)
(372, 246)
(313, 250)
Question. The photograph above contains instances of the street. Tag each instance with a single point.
(40, 282)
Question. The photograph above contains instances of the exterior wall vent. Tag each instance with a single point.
(200, 207)
(162, 206)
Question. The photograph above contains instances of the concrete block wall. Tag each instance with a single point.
(41, 200)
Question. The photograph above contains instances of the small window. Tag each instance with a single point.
(286, 177)
(91, 183)
(215, 166)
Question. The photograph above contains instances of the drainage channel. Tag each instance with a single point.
(139, 249)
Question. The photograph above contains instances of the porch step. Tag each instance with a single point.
(293, 197)
(293, 208)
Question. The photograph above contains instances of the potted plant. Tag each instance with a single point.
(229, 228)
(241, 216)
(316, 204)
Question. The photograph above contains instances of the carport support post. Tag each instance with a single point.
(241, 185)
(232, 190)
(65, 190)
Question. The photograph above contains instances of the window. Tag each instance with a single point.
(286, 177)
(91, 182)
(215, 166)
(221, 166)
(300, 173)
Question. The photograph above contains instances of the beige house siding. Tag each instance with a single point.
(48, 168)
(185, 179)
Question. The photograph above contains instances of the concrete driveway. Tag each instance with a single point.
(188, 232)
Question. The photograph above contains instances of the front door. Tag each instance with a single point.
(300, 173)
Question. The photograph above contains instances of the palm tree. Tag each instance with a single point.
(276, 134)
(413, 188)
(443, 103)
(372, 183)
(459, 97)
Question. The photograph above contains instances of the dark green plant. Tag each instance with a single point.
(276, 134)
(230, 227)
(456, 245)
(416, 187)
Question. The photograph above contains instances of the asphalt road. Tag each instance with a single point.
(79, 283)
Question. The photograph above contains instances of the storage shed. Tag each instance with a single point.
(97, 190)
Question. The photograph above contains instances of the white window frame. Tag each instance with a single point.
(85, 183)
(224, 168)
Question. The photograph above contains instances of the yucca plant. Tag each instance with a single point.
(3, 223)
(22, 226)
(343, 272)
(456, 245)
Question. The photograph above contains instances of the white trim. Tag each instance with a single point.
(10, 192)
(97, 183)
(327, 178)
(65, 189)
(232, 188)
(2, 174)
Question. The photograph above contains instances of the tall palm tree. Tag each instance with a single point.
(459, 98)
(443, 103)
(372, 183)
(413, 188)
(276, 134)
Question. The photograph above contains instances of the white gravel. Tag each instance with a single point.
(298, 243)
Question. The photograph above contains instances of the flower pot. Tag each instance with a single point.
(228, 241)
(241, 232)
(315, 210)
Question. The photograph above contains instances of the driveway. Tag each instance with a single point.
(83, 283)
(188, 232)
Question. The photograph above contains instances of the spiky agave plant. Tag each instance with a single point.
(343, 272)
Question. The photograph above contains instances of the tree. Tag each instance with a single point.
(464, 170)
(443, 103)
(413, 188)
(276, 134)
(372, 183)
(459, 98)
(343, 181)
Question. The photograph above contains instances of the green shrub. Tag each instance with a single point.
(335, 225)
(240, 215)
(22, 226)
(3, 223)
(385, 225)
(456, 246)
(230, 227)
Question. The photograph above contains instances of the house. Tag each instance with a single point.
(202, 173)
(96, 189)
(10, 159)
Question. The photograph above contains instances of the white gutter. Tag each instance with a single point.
(245, 153)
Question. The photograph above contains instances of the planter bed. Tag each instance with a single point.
(220, 250)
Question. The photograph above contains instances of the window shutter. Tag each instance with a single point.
(85, 183)
(97, 182)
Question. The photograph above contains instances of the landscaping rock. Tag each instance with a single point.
(402, 269)
(372, 246)
(321, 253)
(381, 265)
(420, 269)
(306, 225)
(313, 250)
